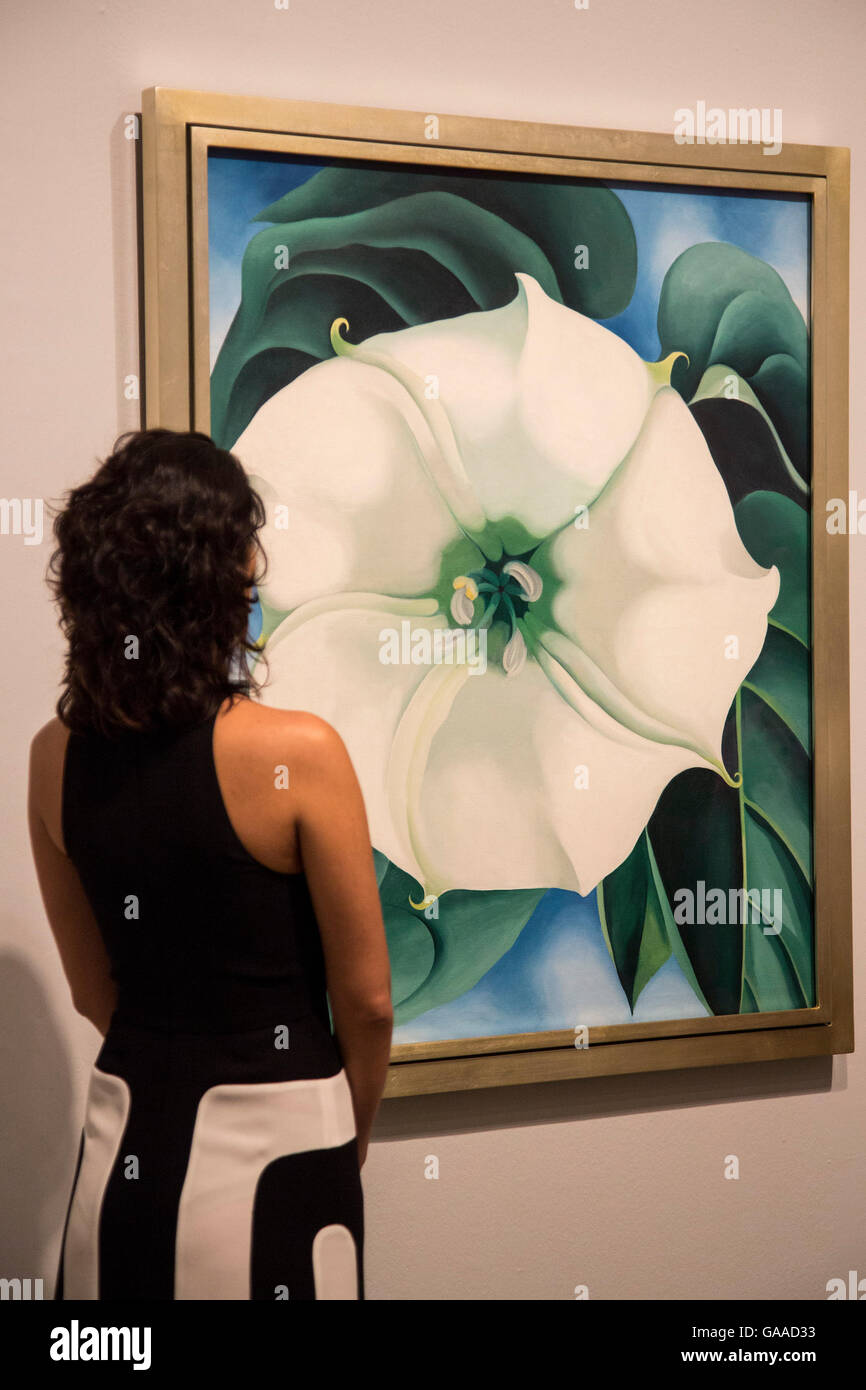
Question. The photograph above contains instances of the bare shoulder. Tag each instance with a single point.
(47, 748)
(315, 738)
(305, 738)
(53, 734)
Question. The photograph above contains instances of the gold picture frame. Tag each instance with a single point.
(178, 128)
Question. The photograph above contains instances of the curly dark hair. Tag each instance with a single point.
(157, 547)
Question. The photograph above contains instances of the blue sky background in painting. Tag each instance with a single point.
(559, 972)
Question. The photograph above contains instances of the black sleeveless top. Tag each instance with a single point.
(201, 936)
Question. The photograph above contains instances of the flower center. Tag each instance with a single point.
(506, 588)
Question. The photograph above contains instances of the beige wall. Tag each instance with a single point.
(617, 1184)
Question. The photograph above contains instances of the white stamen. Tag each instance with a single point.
(514, 656)
(462, 608)
(528, 578)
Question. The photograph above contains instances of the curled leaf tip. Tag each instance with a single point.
(736, 781)
(339, 344)
(661, 371)
(731, 781)
(425, 901)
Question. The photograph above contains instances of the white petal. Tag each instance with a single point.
(544, 402)
(326, 658)
(337, 448)
(664, 609)
(498, 806)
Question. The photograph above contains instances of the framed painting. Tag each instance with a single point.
(551, 429)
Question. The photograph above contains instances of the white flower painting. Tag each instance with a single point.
(535, 460)
(563, 488)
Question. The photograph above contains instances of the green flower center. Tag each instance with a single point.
(506, 588)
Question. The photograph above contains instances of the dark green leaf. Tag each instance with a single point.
(632, 918)
(779, 966)
(775, 531)
(438, 957)
(389, 249)
(721, 305)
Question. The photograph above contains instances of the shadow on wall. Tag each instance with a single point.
(40, 1133)
(481, 1109)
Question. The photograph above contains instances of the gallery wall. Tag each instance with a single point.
(616, 1184)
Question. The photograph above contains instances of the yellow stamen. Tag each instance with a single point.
(464, 582)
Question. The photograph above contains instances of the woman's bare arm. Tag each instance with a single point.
(338, 862)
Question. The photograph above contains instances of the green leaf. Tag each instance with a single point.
(718, 304)
(558, 217)
(775, 816)
(437, 958)
(673, 937)
(411, 945)
(775, 531)
(637, 924)
(778, 967)
(695, 834)
(632, 919)
(731, 312)
(389, 249)
(780, 676)
(776, 778)
(755, 839)
(716, 385)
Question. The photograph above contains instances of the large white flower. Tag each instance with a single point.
(520, 472)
